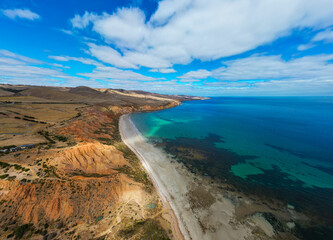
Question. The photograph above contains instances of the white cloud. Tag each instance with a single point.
(274, 68)
(167, 70)
(59, 65)
(163, 70)
(102, 72)
(5, 53)
(311, 75)
(308, 76)
(60, 58)
(126, 27)
(20, 13)
(189, 80)
(83, 21)
(86, 61)
(183, 30)
(285, 87)
(18, 69)
(128, 60)
(199, 74)
(303, 47)
(68, 32)
(167, 9)
(111, 74)
(110, 55)
(326, 36)
(267, 75)
(146, 60)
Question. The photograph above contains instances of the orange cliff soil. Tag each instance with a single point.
(89, 158)
(87, 185)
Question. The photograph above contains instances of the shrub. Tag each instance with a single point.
(21, 230)
(4, 176)
(61, 138)
(4, 164)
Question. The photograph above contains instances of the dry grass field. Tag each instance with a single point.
(21, 122)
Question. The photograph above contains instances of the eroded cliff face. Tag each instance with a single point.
(81, 182)
(89, 159)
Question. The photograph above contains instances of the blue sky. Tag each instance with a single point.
(197, 47)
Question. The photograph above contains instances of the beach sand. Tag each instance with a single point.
(201, 211)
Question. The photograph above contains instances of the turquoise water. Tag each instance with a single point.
(280, 145)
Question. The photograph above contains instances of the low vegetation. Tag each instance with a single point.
(4, 176)
(144, 229)
(20, 231)
(4, 165)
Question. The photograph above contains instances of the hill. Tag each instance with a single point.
(64, 171)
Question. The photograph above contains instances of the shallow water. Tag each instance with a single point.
(282, 146)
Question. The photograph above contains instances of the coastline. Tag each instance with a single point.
(126, 125)
(200, 210)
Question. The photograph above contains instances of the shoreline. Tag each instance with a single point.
(200, 209)
(178, 230)
(205, 208)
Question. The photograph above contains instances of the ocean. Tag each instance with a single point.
(276, 147)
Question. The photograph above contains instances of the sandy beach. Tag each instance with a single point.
(135, 141)
(202, 212)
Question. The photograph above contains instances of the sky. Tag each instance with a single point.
(194, 47)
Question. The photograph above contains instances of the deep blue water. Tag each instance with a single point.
(283, 144)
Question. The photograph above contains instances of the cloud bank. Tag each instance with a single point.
(182, 30)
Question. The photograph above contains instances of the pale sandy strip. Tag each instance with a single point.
(130, 136)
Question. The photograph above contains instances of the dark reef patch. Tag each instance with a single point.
(281, 149)
(328, 170)
(201, 156)
(276, 184)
